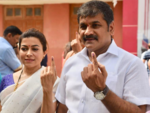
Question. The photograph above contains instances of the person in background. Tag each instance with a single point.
(145, 57)
(142, 55)
(44, 61)
(31, 89)
(76, 46)
(102, 78)
(67, 49)
(16, 49)
(9, 62)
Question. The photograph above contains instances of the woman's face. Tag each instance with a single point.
(31, 52)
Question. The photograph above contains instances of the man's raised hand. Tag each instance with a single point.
(94, 76)
(75, 44)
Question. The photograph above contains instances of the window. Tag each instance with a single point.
(17, 11)
(37, 11)
(9, 12)
(29, 11)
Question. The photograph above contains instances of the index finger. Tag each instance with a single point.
(77, 37)
(72, 42)
(94, 61)
(52, 64)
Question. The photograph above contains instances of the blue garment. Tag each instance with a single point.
(44, 61)
(6, 81)
(0, 78)
(8, 59)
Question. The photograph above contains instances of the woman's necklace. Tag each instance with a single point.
(18, 80)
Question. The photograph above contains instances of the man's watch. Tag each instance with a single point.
(100, 95)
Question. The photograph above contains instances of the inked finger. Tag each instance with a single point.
(52, 64)
(90, 68)
(94, 61)
(55, 71)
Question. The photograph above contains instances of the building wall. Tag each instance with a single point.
(56, 30)
(118, 23)
(1, 20)
(130, 11)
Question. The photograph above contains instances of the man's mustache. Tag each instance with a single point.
(85, 37)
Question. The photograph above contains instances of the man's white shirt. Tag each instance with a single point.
(127, 78)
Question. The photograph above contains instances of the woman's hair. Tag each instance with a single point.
(34, 33)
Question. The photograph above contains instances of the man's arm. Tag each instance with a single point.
(117, 105)
(95, 80)
(11, 60)
(61, 108)
(19, 68)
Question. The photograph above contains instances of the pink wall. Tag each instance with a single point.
(1, 20)
(56, 30)
(118, 23)
(130, 17)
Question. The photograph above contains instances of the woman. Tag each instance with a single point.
(30, 90)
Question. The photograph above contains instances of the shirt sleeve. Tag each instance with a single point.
(60, 92)
(10, 59)
(138, 94)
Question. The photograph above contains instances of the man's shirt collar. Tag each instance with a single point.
(113, 49)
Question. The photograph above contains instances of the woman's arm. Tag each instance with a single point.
(48, 78)
(48, 106)
(0, 106)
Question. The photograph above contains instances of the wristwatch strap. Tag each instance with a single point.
(105, 91)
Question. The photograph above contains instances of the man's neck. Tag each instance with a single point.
(99, 51)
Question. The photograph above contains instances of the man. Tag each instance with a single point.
(144, 54)
(146, 59)
(76, 46)
(9, 62)
(120, 85)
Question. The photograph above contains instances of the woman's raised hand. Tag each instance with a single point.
(48, 76)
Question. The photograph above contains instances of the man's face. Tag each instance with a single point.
(14, 40)
(95, 33)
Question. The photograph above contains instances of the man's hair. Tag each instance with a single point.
(92, 8)
(13, 30)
